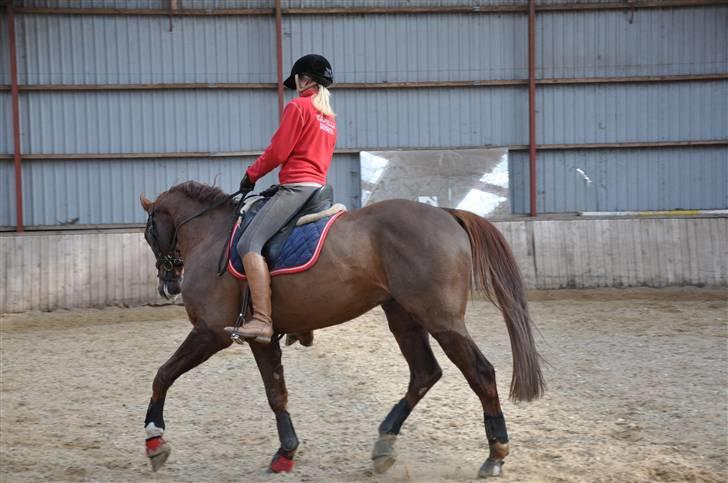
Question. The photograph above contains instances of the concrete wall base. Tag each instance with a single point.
(48, 271)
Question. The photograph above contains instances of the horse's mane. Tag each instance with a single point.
(204, 193)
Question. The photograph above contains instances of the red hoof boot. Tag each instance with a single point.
(282, 463)
(158, 451)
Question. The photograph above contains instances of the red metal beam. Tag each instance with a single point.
(279, 57)
(357, 150)
(532, 103)
(650, 79)
(463, 9)
(16, 120)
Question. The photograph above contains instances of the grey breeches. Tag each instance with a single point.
(273, 216)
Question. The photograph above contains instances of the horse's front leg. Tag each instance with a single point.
(268, 358)
(201, 343)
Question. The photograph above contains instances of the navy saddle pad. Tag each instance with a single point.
(292, 246)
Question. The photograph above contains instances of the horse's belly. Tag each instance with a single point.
(344, 283)
(309, 301)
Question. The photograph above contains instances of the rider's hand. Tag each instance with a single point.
(246, 186)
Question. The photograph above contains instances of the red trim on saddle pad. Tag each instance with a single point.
(289, 270)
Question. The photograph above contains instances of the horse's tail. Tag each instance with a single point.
(496, 275)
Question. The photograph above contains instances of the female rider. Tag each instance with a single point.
(303, 146)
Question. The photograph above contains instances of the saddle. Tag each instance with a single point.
(321, 200)
(297, 246)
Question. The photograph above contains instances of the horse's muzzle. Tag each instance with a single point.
(169, 289)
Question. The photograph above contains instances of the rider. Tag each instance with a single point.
(303, 146)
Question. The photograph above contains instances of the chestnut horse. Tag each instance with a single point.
(418, 262)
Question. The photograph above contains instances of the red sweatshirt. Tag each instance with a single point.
(303, 145)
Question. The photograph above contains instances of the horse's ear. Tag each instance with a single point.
(146, 204)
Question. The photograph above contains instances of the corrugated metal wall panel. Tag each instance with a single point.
(627, 43)
(623, 180)
(90, 49)
(345, 177)
(632, 112)
(152, 4)
(560, 2)
(61, 49)
(395, 3)
(4, 51)
(107, 191)
(518, 181)
(147, 121)
(379, 48)
(6, 123)
(212, 4)
(431, 117)
(7, 193)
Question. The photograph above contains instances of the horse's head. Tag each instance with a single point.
(161, 235)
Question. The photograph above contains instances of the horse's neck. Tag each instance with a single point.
(212, 225)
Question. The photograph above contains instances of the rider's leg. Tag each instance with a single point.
(271, 218)
(260, 326)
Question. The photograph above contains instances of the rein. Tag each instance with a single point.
(173, 259)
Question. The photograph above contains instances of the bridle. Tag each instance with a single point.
(170, 260)
(167, 261)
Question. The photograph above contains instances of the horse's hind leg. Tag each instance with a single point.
(480, 374)
(201, 343)
(414, 343)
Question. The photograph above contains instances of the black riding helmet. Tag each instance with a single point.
(314, 66)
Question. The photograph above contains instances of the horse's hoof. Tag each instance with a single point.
(383, 463)
(158, 451)
(490, 468)
(281, 463)
(384, 454)
(303, 338)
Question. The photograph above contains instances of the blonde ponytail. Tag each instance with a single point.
(322, 101)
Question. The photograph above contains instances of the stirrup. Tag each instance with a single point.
(235, 335)
(237, 339)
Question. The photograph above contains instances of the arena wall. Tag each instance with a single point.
(48, 271)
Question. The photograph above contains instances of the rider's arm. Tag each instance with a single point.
(282, 143)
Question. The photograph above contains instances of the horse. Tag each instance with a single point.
(418, 262)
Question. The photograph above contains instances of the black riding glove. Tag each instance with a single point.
(246, 186)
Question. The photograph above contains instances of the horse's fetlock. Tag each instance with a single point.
(396, 417)
(498, 451)
(286, 432)
(436, 376)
